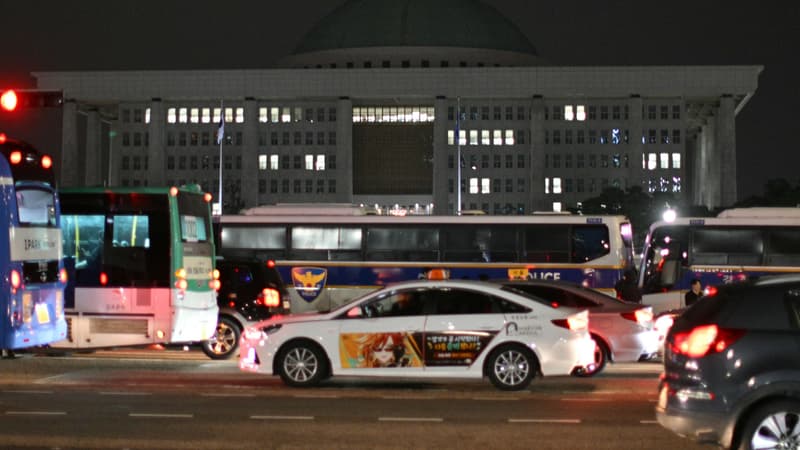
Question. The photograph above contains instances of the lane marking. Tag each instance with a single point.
(26, 391)
(648, 422)
(587, 399)
(407, 397)
(36, 413)
(124, 393)
(569, 421)
(232, 394)
(494, 399)
(161, 416)
(410, 419)
(316, 396)
(282, 417)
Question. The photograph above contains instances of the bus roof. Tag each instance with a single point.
(760, 212)
(278, 219)
(192, 188)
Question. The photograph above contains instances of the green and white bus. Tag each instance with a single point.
(141, 266)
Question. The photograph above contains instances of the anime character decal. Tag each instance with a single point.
(374, 350)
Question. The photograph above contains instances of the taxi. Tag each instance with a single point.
(425, 329)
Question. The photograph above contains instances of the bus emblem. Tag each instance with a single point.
(309, 281)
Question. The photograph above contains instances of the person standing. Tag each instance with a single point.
(627, 288)
(694, 293)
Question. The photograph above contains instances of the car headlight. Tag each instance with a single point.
(253, 334)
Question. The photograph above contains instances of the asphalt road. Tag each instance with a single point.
(173, 399)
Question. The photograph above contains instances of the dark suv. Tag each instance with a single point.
(251, 290)
(732, 367)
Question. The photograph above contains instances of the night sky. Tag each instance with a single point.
(235, 34)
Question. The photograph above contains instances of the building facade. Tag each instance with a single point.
(407, 118)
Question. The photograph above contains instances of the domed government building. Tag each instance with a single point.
(404, 103)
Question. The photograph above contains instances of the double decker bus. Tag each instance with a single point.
(33, 275)
(737, 244)
(327, 260)
(142, 266)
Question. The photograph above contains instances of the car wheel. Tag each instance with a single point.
(601, 353)
(225, 341)
(302, 364)
(774, 425)
(511, 368)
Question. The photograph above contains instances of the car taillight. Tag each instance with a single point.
(62, 276)
(704, 340)
(575, 322)
(642, 316)
(16, 279)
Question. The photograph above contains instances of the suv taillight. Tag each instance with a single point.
(269, 297)
(704, 340)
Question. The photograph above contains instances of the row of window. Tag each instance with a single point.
(617, 112)
(405, 63)
(391, 114)
(488, 113)
(308, 186)
(559, 185)
(474, 161)
(613, 136)
(475, 185)
(486, 137)
(316, 162)
(207, 138)
(579, 160)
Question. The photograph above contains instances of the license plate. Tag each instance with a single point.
(662, 397)
(42, 314)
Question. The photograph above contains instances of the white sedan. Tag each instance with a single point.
(425, 329)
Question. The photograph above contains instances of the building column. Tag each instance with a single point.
(725, 151)
(537, 200)
(635, 175)
(156, 166)
(344, 150)
(706, 175)
(249, 149)
(69, 169)
(93, 161)
(441, 151)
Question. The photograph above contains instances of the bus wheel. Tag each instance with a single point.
(225, 341)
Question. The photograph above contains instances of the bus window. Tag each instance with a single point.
(589, 242)
(327, 243)
(36, 207)
(727, 246)
(547, 243)
(665, 258)
(783, 247)
(402, 244)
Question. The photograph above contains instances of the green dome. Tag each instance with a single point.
(415, 23)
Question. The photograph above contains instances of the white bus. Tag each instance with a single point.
(327, 260)
(141, 263)
(737, 244)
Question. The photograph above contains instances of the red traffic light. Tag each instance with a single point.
(9, 100)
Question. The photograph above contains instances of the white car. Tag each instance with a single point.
(425, 329)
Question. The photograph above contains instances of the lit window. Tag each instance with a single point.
(615, 136)
(509, 137)
(262, 162)
(473, 185)
(183, 115)
(263, 115)
(194, 115)
(273, 162)
(651, 161)
(451, 137)
(676, 160)
(556, 206)
(497, 138)
(228, 115)
(216, 115)
(171, 115)
(286, 115)
(569, 113)
(462, 137)
(309, 162)
(556, 185)
(205, 115)
(320, 163)
(486, 138)
(274, 115)
(676, 184)
(473, 137)
(547, 185)
(664, 157)
(486, 186)
(147, 115)
(239, 115)
(581, 113)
